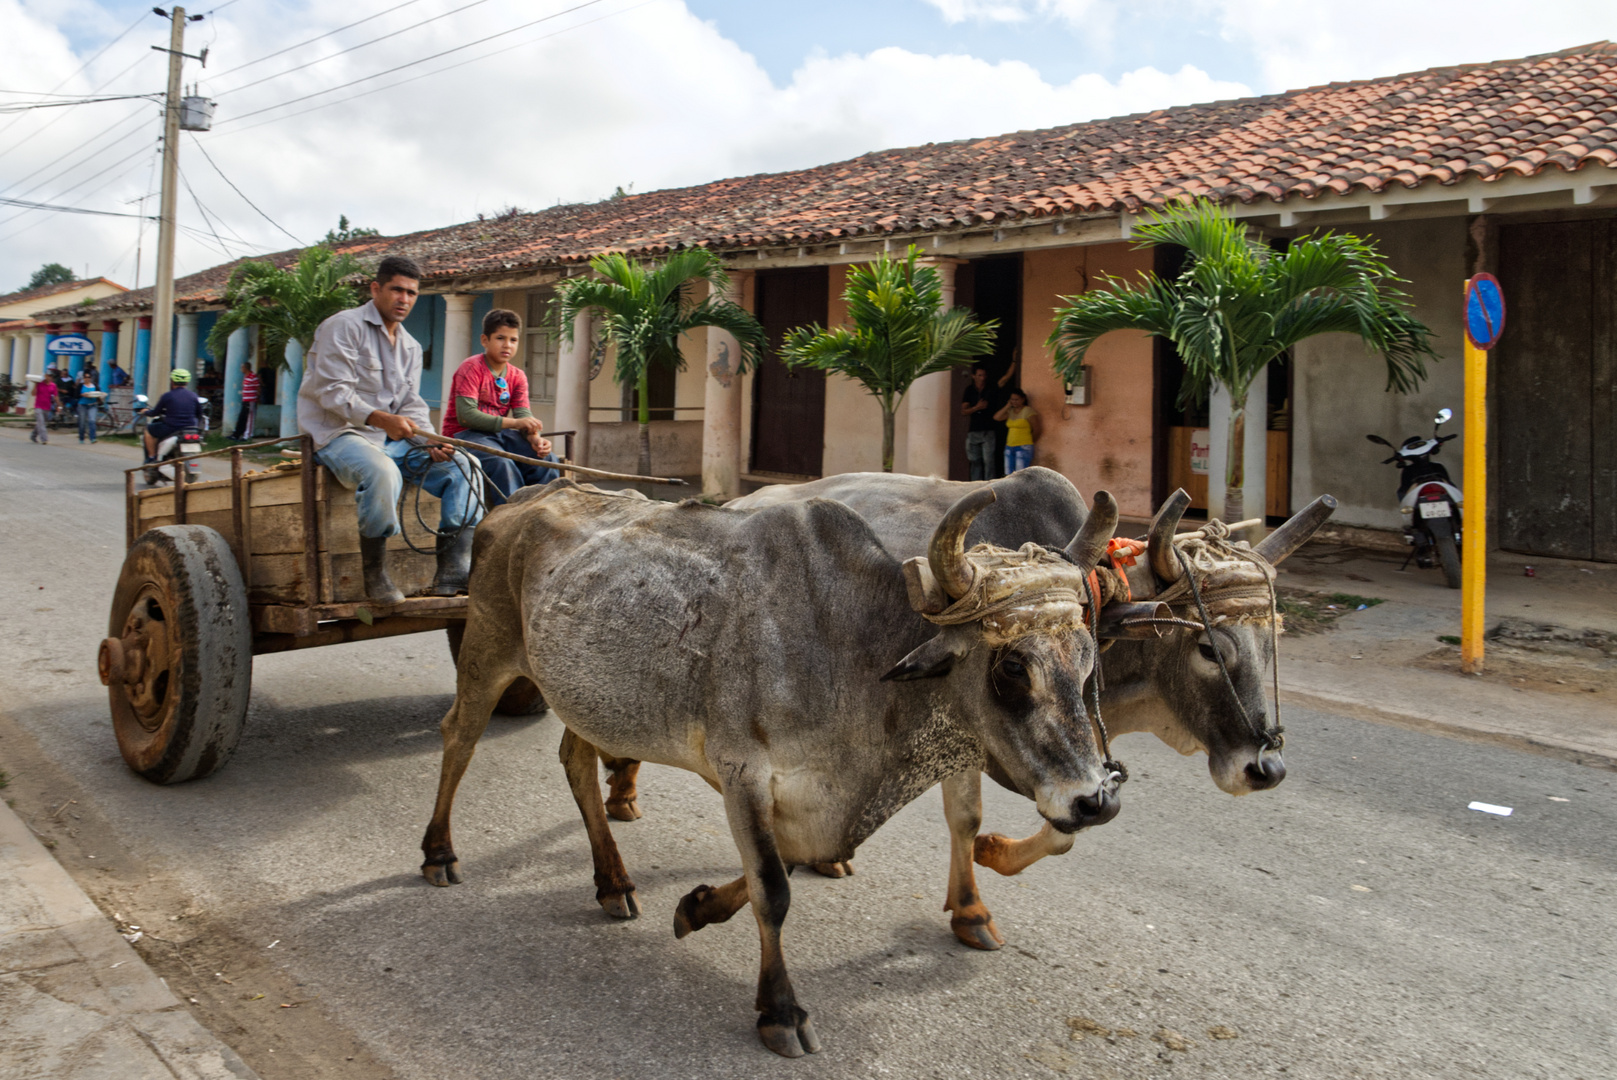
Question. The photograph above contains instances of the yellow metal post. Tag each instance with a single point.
(1474, 546)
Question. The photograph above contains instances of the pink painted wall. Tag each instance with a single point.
(1106, 444)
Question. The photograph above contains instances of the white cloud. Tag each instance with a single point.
(652, 97)
(1012, 11)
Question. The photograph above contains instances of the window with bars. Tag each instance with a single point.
(543, 346)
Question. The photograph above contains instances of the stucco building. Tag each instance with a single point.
(1509, 167)
(23, 338)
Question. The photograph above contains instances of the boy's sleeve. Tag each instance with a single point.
(520, 407)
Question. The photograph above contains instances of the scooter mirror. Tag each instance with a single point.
(1444, 415)
(1378, 440)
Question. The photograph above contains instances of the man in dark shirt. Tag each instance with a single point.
(175, 411)
(979, 404)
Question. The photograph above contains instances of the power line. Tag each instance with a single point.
(96, 57)
(238, 190)
(81, 183)
(352, 48)
(311, 41)
(201, 209)
(31, 205)
(129, 130)
(440, 71)
(29, 106)
(413, 63)
(51, 122)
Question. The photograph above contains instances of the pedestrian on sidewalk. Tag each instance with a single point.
(246, 417)
(44, 402)
(89, 406)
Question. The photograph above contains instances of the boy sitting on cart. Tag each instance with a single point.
(361, 404)
(491, 407)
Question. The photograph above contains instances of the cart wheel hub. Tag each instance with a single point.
(143, 656)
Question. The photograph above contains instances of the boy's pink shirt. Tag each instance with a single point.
(474, 380)
(44, 394)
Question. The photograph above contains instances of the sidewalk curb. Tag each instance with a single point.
(1310, 699)
(75, 999)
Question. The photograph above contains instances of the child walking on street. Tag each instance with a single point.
(44, 402)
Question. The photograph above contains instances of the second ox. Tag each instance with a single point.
(778, 653)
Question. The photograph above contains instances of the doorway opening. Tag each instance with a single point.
(788, 406)
(993, 289)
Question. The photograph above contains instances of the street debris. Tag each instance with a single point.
(1219, 1031)
(1172, 1040)
(1083, 1027)
(1557, 798)
(1490, 808)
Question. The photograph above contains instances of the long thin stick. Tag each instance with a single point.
(563, 466)
(1201, 534)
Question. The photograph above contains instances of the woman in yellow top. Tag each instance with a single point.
(1021, 431)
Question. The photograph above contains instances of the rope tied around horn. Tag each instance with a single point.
(1235, 583)
(1016, 592)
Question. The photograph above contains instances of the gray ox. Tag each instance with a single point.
(755, 649)
(1170, 687)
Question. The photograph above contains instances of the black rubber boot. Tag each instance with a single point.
(379, 588)
(454, 564)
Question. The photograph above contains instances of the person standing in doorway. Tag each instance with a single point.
(979, 404)
(1021, 431)
(44, 402)
(246, 417)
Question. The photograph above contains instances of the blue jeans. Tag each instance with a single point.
(376, 476)
(87, 416)
(980, 454)
(1018, 458)
(505, 475)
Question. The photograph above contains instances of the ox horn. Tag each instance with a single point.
(1085, 549)
(1159, 541)
(947, 551)
(1296, 531)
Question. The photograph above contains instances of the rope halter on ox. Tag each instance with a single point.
(1014, 592)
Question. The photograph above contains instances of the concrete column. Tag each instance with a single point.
(109, 351)
(929, 400)
(16, 357)
(75, 363)
(721, 402)
(286, 392)
(143, 355)
(37, 340)
(573, 387)
(458, 342)
(185, 346)
(236, 351)
(1256, 449)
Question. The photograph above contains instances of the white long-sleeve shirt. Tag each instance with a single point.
(353, 370)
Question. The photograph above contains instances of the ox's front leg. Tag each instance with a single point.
(622, 796)
(1005, 856)
(972, 922)
(462, 726)
(613, 888)
(783, 1025)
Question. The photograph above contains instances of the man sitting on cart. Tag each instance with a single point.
(361, 404)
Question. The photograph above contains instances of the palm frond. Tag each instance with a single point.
(1082, 319)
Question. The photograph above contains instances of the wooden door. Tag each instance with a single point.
(1553, 370)
(788, 406)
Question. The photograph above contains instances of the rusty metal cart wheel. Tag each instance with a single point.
(521, 698)
(178, 659)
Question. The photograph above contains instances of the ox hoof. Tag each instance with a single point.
(833, 869)
(792, 1037)
(993, 850)
(621, 905)
(442, 873)
(623, 809)
(978, 931)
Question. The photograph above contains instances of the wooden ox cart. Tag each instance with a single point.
(218, 572)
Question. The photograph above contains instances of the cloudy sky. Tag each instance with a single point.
(411, 114)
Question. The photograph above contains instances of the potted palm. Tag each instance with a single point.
(647, 307)
(900, 333)
(287, 305)
(1238, 304)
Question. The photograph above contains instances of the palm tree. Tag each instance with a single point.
(648, 307)
(288, 306)
(900, 333)
(1238, 305)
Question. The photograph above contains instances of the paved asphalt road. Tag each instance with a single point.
(1360, 921)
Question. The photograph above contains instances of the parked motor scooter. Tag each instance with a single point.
(175, 450)
(1428, 500)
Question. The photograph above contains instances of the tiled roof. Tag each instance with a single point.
(1441, 126)
(44, 292)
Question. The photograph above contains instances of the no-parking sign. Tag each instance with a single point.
(1484, 310)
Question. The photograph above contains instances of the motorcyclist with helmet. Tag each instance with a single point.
(175, 411)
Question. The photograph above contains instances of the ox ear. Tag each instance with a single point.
(929, 661)
(926, 595)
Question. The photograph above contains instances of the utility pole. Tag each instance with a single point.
(163, 302)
